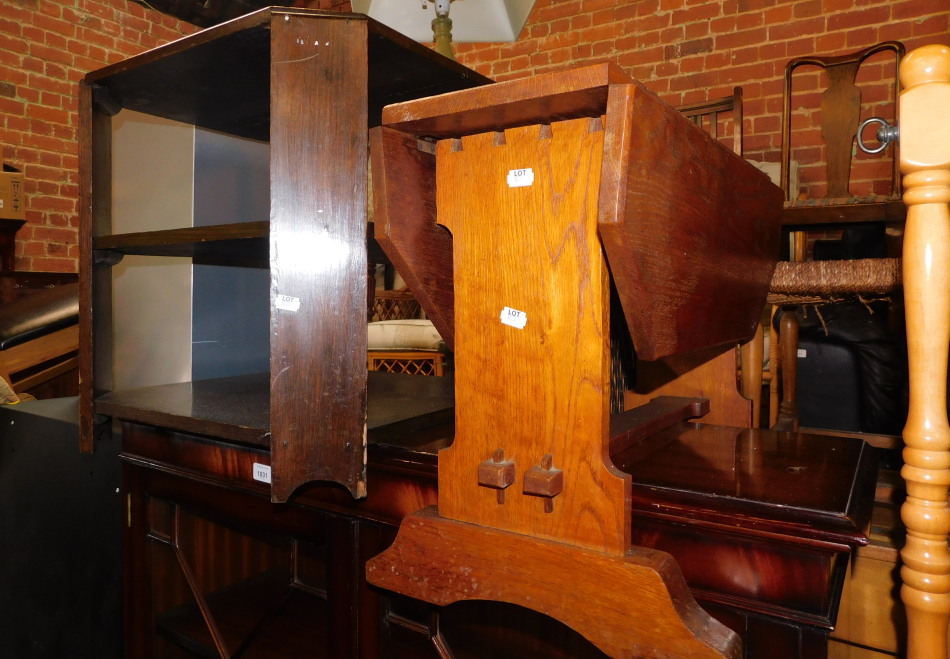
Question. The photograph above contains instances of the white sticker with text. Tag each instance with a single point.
(261, 472)
(513, 317)
(288, 303)
(520, 178)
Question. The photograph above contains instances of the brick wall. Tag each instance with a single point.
(684, 50)
(691, 50)
(46, 46)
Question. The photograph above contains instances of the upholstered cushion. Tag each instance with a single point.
(403, 335)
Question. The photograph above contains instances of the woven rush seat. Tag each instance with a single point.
(815, 282)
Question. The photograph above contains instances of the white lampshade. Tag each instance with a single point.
(472, 20)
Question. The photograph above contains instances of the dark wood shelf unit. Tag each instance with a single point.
(309, 84)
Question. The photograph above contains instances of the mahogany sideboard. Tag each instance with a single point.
(761, 523)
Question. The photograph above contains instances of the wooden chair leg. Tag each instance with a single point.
(788, 338)
(775, 370)
(751, 357)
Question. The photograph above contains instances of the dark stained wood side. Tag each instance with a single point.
(406, 229)
(95, 281)
(86, 438)
(691, 231)
(318, 254)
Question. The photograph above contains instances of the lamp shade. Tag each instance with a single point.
(472, 20)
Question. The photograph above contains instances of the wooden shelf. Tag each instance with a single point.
(237, 408)
(240, 243)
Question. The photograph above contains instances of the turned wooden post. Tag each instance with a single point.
(925, 163)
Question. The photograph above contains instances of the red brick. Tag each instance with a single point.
(749, 20)
(937, 25)
(777, 15)
(807, 9)
(859, 38)
(860, 17)
(913, 9)
(731, 40)
(695, 30)
(685, 48)
(755, 5)
(54, 25)
(557, 10)
(50, 264)
(830, 43)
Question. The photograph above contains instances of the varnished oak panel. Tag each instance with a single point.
(539, 390)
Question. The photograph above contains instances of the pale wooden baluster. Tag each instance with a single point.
(925, 162)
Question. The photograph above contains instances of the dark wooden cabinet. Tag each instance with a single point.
(761, 523)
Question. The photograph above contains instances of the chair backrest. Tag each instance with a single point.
(840, 115)
(720, 117)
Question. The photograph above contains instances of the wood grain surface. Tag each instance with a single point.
(690, 229)
(318, 255)
(542, 389)
(446, 561)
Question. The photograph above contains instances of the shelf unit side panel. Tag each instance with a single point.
(95, 281)
(318, 253)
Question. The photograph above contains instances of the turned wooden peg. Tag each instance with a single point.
(544, 481)
(497, 473)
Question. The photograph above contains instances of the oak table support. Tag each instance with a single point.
(542, 183)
